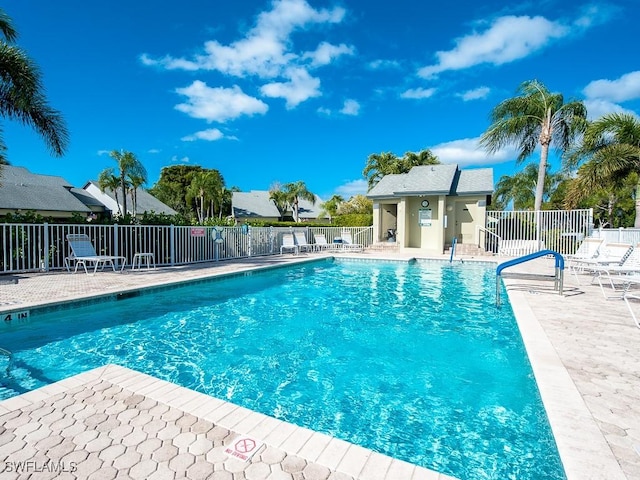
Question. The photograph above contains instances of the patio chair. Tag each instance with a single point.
(83, 252)
(288, 243)
(347, 242)
(588, 249)
(621, 273)
(610, 255)
(322, 244)
(301, 241)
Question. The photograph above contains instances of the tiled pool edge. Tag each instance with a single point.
(573, 426)
(334, 454)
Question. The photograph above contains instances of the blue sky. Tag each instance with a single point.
(286, 90)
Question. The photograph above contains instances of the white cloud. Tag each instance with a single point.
(176, 159)
(299, 88)
(417, 93)
(466, 151)
(475, 94)
(218, 104)
(326, 53)
(627, 87)
(267, 51)
(103, 152)
(210, 135)
(351, 188)
(598, 107)
(153, 150)
(350, 107)
(324, 111)
(507, 39)
(384, 64)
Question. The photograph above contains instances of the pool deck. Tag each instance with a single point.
(113, 422)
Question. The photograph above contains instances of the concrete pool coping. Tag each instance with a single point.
(584, 450)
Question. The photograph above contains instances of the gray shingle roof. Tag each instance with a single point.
(257, 204)
(21, 189)
(435, 180)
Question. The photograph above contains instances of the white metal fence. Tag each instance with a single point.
(515, 233)
(619, 235)
(43, 247)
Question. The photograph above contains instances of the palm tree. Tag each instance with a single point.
(22, 94)
(136, 181)
(128, 165)
(201, 190)
(296, 191)
(330, 207)
(381, 164)
(535, 117)
(520, 188)
(611, 146)
(279, 198)
(107, 180)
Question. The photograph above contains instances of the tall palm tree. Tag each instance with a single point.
(423, 157)
(535, 117)
(136, 181)
(296, 191)
(128, 165)
(279, 198)
(611, 146)
(22, 95)
(107, 180)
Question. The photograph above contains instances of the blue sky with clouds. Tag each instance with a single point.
(285, 90)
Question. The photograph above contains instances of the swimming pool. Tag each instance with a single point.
(411, 360)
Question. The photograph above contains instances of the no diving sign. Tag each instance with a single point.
(243, 448)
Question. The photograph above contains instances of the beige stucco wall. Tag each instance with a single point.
(426, 237)
(475, 208)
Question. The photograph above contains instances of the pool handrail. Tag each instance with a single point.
(453, 249)
(559, 269)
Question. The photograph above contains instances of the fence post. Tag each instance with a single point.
(46, 247)
(250, 238)
(115, 242)
(172, 245)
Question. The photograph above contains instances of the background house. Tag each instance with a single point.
(429, 206)
(145, 201)
(256, 205)
(22, 191)
(53, 197)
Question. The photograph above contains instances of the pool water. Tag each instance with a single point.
(411, 360)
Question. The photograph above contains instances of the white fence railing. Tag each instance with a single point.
(619, 235)
(515, 233)
(43, 247)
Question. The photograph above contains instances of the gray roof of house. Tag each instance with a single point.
(257, 204)
(21, 189)
(435, 180)
(146, 202)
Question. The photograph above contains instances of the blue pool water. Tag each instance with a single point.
(411, 360)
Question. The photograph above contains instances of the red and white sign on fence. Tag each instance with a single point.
(197, 231)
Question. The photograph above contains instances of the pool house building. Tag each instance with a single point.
(431, 205)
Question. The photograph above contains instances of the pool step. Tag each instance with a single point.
(468, 249)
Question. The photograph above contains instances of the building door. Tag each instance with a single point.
(464, 223)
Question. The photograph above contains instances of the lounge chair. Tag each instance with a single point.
(610, 255)
(630, 295)
(288, 243)
(619, 273)
(347, 242)
(321, 242)
(301, 241)
(588, 249)
(83, 252)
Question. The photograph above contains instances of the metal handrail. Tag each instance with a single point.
(486, 230)
(453, 248)
(559, 269)
(4, 352)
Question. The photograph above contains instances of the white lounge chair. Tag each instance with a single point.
(301, 241)
(322, 244)
(611, 254)
(347, 242)
(83, 252)
(619, 273)
(288, 243)
(588, 249)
